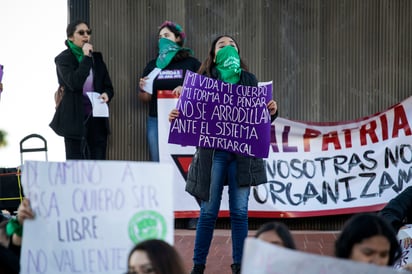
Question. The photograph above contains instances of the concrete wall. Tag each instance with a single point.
(330, 60)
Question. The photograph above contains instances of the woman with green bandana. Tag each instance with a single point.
(169, 68)
(167, 71)
(212, 169)
(81, 71)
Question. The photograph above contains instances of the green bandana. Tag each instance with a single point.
(76, 50)
(167, 50)
(228, 64)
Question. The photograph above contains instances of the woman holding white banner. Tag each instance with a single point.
(211, 169)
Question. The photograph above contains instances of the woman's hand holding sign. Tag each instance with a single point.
(272, 107)
(177, 91)
(173, 114)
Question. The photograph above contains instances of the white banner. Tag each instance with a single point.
(315, 169)
(260, 257)
(89, 214)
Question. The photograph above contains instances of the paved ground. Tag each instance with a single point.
(219, 259)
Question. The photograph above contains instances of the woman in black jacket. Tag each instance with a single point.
(171, 64)
(211, 169)
(80, 71)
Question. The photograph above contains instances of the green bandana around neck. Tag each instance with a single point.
(76, 50)
(228, 64)
(167, 50)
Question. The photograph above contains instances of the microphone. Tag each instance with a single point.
(90, 52)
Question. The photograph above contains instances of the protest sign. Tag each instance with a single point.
(215, 114)
(178, 156)
(260, 257)
(89, 214)
(315, 169)
(405, 240)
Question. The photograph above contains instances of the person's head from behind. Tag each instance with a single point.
(368, 238)
(172, 31)
(276, 233)
(155, 257)
(78, 32)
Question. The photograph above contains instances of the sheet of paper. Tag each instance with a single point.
(100, 108)
(148, 87)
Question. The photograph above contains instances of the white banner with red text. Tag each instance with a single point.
(314, 169)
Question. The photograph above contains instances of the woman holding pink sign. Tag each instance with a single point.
(212, 169)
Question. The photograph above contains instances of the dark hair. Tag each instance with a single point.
(71, 27)
(207, 66)
(177, 30)
(281, 229)
(363, 226)
(163, 257)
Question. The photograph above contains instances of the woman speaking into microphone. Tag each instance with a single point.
(82, 74)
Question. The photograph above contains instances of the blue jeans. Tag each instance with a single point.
(152, 135)
(223, 166)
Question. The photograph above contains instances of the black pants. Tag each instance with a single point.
(94, 144)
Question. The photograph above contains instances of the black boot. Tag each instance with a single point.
(198, 269)
(235, 268)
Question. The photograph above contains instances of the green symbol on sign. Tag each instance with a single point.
(145, 225)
